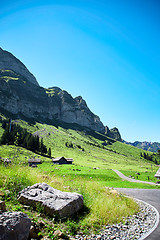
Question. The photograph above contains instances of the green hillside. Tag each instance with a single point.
(94, 158)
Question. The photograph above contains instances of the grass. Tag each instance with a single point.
(97, 211)
(90, 175)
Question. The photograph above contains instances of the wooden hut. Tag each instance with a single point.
(157, 175)
(62, 160)
(34, 161)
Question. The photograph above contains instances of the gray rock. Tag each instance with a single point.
(113, 133)
(14, 226)
(52, 201)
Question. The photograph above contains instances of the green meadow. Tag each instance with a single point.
(91, 174)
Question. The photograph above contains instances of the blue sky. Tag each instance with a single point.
(106, 51)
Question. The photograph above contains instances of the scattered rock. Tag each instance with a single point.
(52, 201)
(1, 194)
(32, 233)
(58, 234)
(6, 161)
(138, 173)
(2, 206)
(14, 226)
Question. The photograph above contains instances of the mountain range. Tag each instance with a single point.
(148, 146)
(22, 97)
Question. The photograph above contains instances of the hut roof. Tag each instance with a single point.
(157, 173)
(59, 158)
(69, 159)
(34, 160)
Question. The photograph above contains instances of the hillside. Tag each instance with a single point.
(88, 148)
(89, 175)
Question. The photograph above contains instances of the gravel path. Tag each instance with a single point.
(121, 175)
(134, 227)
(151, 196)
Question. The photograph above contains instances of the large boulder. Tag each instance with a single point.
(14, 226)
(52, 201)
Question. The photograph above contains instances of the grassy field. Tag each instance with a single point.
(90, 174)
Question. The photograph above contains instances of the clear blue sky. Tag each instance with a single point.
(106, 51)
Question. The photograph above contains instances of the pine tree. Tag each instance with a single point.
(49, 152)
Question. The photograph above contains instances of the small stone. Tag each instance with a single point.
(2, 206)
(98, 237)
(58, 233)
(32, 233)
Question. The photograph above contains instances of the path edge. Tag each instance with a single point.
(156, 224)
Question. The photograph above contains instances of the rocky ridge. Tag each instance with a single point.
(148, 146)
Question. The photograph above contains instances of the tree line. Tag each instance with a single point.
(16, 135)
(155, 157)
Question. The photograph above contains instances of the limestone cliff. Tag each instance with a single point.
(24, 99)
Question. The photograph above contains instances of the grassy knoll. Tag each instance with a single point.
(90, 174)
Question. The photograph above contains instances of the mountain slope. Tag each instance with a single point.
(9, 62)
(22, 97)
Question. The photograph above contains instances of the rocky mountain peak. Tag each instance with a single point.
(113, 133)
(81, 101)
(9, 62)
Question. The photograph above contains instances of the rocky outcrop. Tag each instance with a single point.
(52, 201)
(14, 225)
(113, 133)
(9, 62)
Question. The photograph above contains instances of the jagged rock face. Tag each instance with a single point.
(9, 62)
(77, 111)
(113, 133)
(20, 97)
